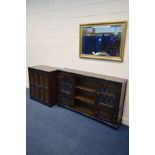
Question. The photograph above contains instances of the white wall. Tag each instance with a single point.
(53, 35)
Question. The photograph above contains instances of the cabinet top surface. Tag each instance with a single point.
(84, 73)
(89, 74)
(44, 68)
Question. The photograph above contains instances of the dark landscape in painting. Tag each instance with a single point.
(101, 40)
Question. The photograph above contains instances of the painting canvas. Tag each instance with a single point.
(103, 41)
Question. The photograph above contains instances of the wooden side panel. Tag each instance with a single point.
(121, 102)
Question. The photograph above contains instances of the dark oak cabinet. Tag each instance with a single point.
(97, 96)
(43, 85)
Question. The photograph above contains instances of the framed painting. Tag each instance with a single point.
(103, 40)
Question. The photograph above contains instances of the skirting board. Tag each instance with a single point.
(27, 84)
(125, 120)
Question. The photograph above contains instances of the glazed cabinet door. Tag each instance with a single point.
(107, 102)
(65, 89)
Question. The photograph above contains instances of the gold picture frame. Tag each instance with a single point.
(104, 41)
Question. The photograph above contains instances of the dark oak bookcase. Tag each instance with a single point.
(97, 96)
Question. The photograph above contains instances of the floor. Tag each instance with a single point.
(58, 131)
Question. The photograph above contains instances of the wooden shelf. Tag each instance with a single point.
(86, 89)
(84, 110)
(81, 98)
